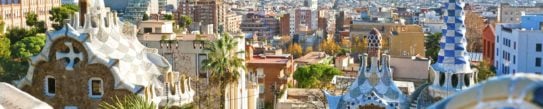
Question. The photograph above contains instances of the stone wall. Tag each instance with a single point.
(71, 87)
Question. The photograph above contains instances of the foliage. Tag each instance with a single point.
(2, 25)
(345, 43)
(16, 34)
(145, 17)
(313, 76)
(28, 46)
(223, 61)
(12, 69)
(330, 47)
(486, 71)
(128, 102)
(168, 17)
(359, 44)
(4, 47)
(184, 21)
(59, 14)
(32, 20)
(432, 46)
(16, 48)
(295, 50)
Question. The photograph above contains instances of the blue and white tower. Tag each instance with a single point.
(452, 71)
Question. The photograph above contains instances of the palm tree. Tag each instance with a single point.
(223, 62)
(128, 102)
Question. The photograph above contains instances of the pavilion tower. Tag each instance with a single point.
(373, 87)
(452, 71)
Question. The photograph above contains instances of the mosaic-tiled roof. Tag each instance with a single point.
(452, 56)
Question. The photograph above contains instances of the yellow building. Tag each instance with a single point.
(406, 41)
(398, 40)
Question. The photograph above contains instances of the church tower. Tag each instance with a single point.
(452, 72)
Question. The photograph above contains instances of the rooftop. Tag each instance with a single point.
(270, 59)
(312, 58)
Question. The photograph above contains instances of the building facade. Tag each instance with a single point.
(233, 22)
(261, 24)
(137, 9)
(489, 41)
(512, 14)
(205, 11)
(518, 46)
(13, 11)
(274, 73)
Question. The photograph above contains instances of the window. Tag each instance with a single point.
(538, 47)
(538, 62)
(147, 30)
(96, 88)
(50, 84)
(261, 88)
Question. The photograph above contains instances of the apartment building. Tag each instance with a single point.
(13, 12)
(511, 14)
(264, 25)
(519, 46)
(205, 11)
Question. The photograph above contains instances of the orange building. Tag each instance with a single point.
(488, 44)
(12, 12)
(273, 71)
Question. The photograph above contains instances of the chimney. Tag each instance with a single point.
(83, 7)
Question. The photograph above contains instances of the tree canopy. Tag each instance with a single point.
(313, 76)
(28, 46)
(58, 14)
(432, 46)
(295, 50)
(168, 17)
(184, 21)
(32, 21)
(330, 47)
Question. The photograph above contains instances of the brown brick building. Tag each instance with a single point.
(206, 11)
(284, 26)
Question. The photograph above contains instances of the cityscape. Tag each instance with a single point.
(271, 54)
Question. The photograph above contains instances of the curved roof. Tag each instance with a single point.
(110, 42)
(526, 90)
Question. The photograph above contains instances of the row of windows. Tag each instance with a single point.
(95, 87)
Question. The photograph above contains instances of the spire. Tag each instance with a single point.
(374, 43)
(452, 56)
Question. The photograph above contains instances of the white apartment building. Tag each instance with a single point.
(519, 46)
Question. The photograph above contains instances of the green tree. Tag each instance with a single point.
(16, 34)
(32, 21)
(145, 17)
(59, 14)
(184, 21)
(28, 46)
(128, 102)
(223, 62)
(316, 75)
(5, 44)
(168, 17)
(486, 71)
(432, 46)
